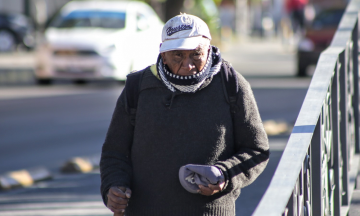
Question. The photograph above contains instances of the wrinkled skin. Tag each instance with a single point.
(187, 62)
(118, 198)
(211, 189)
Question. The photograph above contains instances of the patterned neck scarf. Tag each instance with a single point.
(191, 83)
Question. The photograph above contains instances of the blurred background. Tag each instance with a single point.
(54, 40)
(63, 65)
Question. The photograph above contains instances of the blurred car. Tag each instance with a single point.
(317, 38)
(90, 40)
(15, 30)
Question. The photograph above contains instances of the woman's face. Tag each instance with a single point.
(186, 62)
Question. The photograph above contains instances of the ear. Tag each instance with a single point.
(163, 57)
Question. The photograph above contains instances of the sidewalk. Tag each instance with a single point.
(256, 57)
(251, 195)
(265, 63)
(17, 68)
(17, 60)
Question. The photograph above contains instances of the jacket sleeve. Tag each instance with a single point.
(115, 163)
(251, 142)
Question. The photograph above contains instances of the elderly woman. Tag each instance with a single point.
(185, 153)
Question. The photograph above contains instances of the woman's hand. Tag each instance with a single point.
(211, 189)
(118, 198)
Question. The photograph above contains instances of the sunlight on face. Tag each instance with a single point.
(187, 62)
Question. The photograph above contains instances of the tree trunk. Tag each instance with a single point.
(173, 8)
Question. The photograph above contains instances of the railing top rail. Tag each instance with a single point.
(283, 182)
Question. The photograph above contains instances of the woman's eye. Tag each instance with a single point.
(197, 56)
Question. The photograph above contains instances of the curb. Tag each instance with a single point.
(274, 128)
(27, 177)
(81, 164)
(23, 178)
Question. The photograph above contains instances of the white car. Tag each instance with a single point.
(91, 40)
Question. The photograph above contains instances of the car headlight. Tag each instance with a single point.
(306, 45)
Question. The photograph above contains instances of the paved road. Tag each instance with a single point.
(45, 126)
(47, 130)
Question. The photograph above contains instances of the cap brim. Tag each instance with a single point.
(181, 44)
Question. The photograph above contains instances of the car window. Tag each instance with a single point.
(90, 18)
(142, 22)
(329, 18)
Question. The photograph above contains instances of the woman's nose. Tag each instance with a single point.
(188, 64)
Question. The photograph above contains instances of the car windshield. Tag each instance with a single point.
(329, 18)
(91, 19)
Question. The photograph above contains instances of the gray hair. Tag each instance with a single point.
(205, 42)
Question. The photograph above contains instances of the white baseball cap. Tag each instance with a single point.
(183, 32)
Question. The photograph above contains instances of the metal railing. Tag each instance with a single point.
(317, 171)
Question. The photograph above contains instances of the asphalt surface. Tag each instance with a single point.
(45, 126)
(39, 131)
